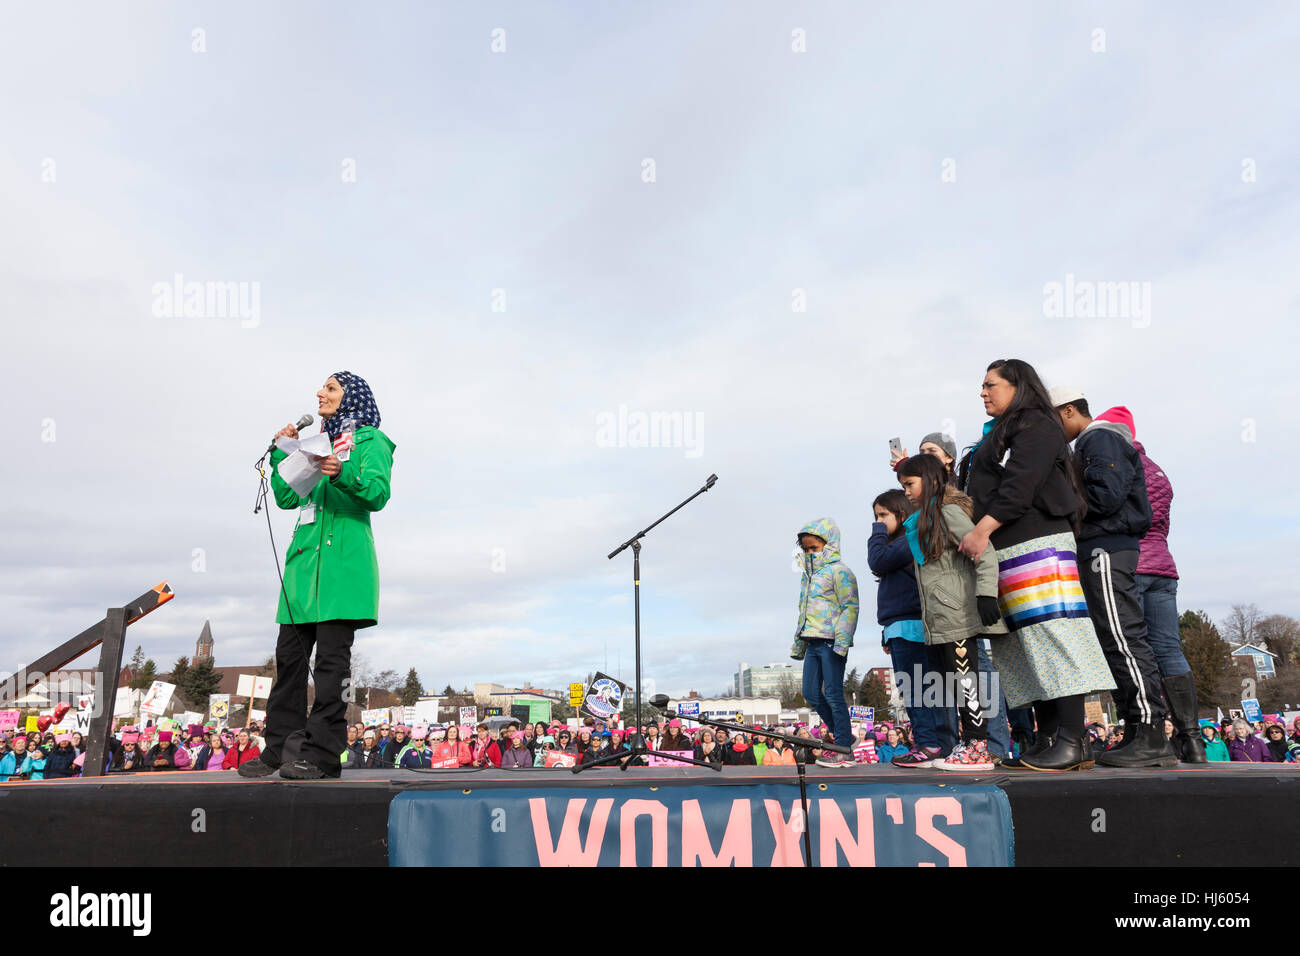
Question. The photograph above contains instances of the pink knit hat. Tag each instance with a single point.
(1119, 415)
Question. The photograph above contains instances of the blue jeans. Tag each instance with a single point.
(912, 662)
(1159, 599)
(823, 668)
(999, 742)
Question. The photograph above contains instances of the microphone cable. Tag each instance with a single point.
(263, 489)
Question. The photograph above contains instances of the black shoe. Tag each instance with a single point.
(1149, 747)
(1041, 743)
(257, 767)
(1064, 754)
(304, 770)
(1191, 749)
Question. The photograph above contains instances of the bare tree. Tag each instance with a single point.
(1241, 624)
(1280, 635)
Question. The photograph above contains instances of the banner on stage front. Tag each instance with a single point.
(850, 824)
(157, 698)
(604, 698)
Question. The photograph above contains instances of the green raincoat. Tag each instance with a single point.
(330, 571)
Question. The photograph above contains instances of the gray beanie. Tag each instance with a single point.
(943, 441)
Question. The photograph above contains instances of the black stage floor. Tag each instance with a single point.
(1216, 815)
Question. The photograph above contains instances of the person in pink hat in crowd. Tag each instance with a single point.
(517, 755)
(162, 755)
(418, 754)
(129, 757)
(673, 738)
(243, 751)
(59, 762)
(1157, 590)
(193, 746)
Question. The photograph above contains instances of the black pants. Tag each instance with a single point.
(286, 710)
(961, 665)
(1110, 585)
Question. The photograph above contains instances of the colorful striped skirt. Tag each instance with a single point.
(1052, 650)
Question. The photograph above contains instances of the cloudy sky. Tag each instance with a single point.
(805, 228)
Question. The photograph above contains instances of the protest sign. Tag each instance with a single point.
(32, 727)
(245, 687)
(373, 718)
(1093, 713)
(157, 698)
(124, 702)
(257, 715)
(688, 708)
(560, 758)
(8, 720)
(575, 694)
(604, 698)
(426, 711)
(655, 760)
(469, 715)
(1254, 713)
(857, 712)
(261, 688)
(219, 706)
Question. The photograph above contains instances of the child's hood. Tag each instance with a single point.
(951, 496)
(828, 531)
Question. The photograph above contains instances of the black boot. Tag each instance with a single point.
(1180, 691)
(1041, 742)
(1066, 753)
(1149, 747)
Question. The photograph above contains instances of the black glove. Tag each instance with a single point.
(990, 613)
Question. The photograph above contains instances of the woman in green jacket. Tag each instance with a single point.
(331, 580)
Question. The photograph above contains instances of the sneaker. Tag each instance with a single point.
(969, 756)
(304, 770)
(257, 768)
(835, 761)
(919, 757)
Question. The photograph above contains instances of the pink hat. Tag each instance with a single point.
(164, 736)
(674, 722)
(518, 738)
(80, 759)
(1119, 415)
(62, 739)
(420, 732)
(130, 738)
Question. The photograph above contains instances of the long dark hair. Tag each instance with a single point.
(931, 530)
(897, 504)
(1031, 399)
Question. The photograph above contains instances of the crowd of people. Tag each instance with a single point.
(32, 756)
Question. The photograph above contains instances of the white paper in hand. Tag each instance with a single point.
(301, 470)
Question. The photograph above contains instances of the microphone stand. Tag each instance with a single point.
(634, 543)
(805, 742)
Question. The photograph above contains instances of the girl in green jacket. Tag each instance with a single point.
(331, 580)
(1215, 749)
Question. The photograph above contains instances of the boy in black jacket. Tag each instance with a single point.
(1119, 514)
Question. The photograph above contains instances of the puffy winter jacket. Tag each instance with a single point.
(1119, 513)
(1250, 750)
(1155, 558)
(828, 594)
(949, 584)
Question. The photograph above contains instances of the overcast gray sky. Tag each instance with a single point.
(807, 228)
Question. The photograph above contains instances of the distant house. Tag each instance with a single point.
(1261, 656)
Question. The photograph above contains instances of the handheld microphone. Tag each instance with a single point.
(300, 425)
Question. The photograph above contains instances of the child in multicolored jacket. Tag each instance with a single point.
(828, 617)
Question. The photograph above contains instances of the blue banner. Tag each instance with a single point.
(759, 825)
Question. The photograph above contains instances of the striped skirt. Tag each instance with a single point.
(1052, 650)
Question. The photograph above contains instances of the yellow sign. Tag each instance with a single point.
(576, 694)
(32, 726)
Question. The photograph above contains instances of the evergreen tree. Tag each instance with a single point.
(136, 662)
(852, 686)
(201, 682)
(147, 675)
(873, 694)
(412, 691)
(1210, 658)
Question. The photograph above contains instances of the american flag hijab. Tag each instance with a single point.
(358, 404)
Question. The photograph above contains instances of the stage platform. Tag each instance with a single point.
(1215, 815)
